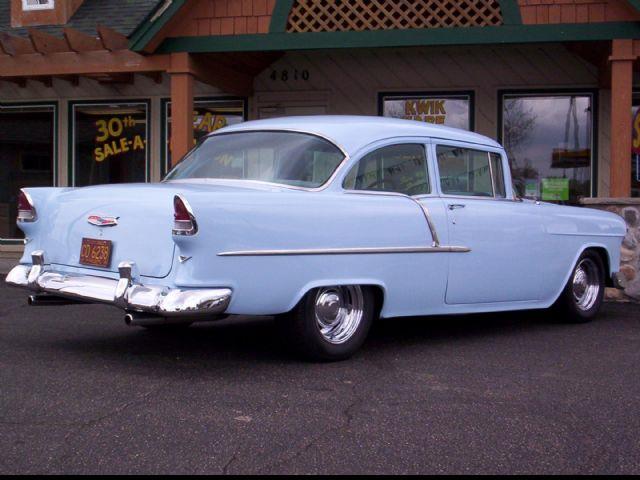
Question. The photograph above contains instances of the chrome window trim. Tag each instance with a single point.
(319, 188)
(424, 144)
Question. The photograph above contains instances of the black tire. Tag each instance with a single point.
(571, 306)
(304, 334)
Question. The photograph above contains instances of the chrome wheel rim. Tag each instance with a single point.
(586, 284)
(338, 312)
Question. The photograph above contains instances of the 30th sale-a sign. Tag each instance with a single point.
(116, 136)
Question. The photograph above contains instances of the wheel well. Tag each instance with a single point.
(604, 256)
(378, 296)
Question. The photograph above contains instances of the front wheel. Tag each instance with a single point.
(582, 297)
(330, 323)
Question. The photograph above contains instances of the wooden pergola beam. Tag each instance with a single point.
(87, 63)
(16, 45)
(112, 40)
(45, 43)
(81, 42)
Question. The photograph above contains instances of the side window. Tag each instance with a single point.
(396, 168)
(498, 175)
(464, 172)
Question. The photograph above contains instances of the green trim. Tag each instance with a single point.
(146, 30)
(508, 34)
(510, 12)
(71, 130)
(280, 16)
(635, 4)
(11, 241)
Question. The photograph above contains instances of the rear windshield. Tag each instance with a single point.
(289, 158)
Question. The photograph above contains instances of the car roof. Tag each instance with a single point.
(352, 132)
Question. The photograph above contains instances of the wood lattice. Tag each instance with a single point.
(359, 15)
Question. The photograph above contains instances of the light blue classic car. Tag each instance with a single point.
(325, 222)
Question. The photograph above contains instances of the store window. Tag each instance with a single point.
(450, 109)
(549, 140)
(110, 142)
(27, 157)
(635, 149)
(209, 115)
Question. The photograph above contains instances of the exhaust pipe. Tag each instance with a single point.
(40, 300)
(135, 319)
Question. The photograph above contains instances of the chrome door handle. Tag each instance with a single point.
(454, 206)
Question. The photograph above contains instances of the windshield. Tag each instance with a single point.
(289, 158)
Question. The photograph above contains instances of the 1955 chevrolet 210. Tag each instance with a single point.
(325, 222)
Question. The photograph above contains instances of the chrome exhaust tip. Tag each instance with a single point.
(136, 319)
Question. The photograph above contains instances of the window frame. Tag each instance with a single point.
(71, 171)
(430, 94)
(559, 92)
(165, 168)
(54, 106)
(424, 142)
(509, 193)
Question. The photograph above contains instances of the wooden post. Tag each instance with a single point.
(181, 107)
(622, 58)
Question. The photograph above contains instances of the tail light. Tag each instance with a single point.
(184, 222)
(26, 210)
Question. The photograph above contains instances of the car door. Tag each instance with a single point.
(505, 236)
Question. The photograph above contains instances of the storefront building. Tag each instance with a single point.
(97, 92)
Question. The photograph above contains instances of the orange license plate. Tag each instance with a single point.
(96, 253)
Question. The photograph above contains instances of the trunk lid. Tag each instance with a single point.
(144, 215)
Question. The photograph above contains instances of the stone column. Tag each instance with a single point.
(629, 209)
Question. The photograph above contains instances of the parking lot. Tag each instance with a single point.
(512, 393)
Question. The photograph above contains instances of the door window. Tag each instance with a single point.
(396, 168)
(465, 172)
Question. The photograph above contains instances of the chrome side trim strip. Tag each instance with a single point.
(345, 251)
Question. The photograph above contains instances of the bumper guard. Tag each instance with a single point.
(124, 293)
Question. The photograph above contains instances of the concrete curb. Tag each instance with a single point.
(6, 265)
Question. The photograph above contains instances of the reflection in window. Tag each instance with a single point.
(289, 158)
(498, 175)
(396, 168)
(109, 143)
(208, 116)
(449, 110)
(464, 172)
(548, 139)
(26, 157)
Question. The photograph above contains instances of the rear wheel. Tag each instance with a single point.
(582, 297)
(330, 323)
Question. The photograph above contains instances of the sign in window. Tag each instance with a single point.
(449, 110)
(110, 143)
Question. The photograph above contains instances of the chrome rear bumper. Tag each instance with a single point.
(124, 292)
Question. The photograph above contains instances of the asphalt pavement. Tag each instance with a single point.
(80, 392)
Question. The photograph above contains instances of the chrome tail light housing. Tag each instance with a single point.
(184, 221)
(26, 208)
